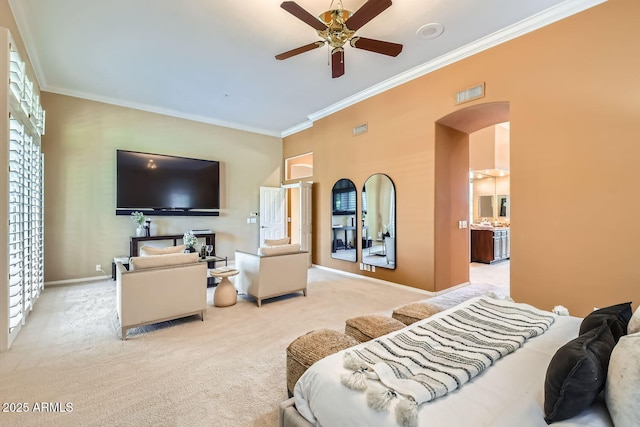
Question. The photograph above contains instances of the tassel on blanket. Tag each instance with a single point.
(493, 295)
(407, 413)
(560, 310)
(352, 362)
(355, 380)
(379, 398)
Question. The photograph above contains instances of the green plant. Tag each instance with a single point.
(137, 217)
(189, 239)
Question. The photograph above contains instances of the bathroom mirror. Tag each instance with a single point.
(379, 222)
(485, 207)
(503, 206)
(343, 220)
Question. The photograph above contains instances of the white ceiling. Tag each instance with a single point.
(213, 60)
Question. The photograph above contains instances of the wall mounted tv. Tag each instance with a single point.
(158, 184)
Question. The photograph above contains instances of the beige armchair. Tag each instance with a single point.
(276, 272)
(159, 288)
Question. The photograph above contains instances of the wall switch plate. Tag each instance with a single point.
(361, 266)
(373, 268)
(98, 267)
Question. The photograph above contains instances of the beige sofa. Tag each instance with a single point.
(274, 271)
(159, 288)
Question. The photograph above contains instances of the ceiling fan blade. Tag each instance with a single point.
(366, 13)
(299, 50)
(337, 62)
(297, 11)
(377, 46)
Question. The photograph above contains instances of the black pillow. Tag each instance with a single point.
(577, 374)
(617, 316)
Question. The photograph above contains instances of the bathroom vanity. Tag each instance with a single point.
(490, 244)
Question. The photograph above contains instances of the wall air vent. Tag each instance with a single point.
(470, 94)
(359, 130)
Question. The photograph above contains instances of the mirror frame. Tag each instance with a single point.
(385, 254)
(340, 223)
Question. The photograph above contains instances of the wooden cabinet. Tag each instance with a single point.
(489, 246)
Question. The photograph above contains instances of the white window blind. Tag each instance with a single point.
(16, 73)
(16, 224)
(26, 278)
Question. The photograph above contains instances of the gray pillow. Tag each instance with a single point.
(621, 393)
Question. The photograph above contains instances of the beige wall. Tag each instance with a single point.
(81, 228)
(574, 111)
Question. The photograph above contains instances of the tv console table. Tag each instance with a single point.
(210, 239)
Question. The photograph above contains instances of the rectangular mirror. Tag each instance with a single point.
(485, 206)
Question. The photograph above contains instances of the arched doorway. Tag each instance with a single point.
(452, 188)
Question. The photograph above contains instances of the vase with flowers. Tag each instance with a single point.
(138, 218)
(190, 241)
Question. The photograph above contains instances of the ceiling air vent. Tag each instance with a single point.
(359, 130)
(470, 94)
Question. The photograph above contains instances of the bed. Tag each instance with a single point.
(509, 392)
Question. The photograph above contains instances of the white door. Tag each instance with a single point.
(305, 217)
(300, 215)
(272, 213)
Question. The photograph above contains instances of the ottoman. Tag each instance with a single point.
(411, 313)
(365, 328)
(307, 349)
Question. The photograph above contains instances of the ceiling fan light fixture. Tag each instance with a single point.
(430, 31)
(336, 27)
(336, 33)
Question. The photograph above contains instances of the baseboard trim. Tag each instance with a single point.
(76, 281)
(453, 288)
(380, 281)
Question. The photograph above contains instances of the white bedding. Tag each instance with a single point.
(509, 393)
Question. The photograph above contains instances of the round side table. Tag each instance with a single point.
(225, 294)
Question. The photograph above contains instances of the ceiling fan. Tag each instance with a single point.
(337, 27)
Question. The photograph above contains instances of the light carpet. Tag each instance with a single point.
(226, 371)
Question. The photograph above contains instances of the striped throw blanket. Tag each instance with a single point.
(431, 359)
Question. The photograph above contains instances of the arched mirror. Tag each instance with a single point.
(379, 222)
(343, 220)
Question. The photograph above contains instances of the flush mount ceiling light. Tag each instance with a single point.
(430, 31)
(337, 27)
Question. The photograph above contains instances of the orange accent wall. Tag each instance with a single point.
(452, 206)
(574, 108)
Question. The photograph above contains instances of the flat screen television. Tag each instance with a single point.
(163, 183)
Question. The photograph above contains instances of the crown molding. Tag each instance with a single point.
(297, 128)
(537, 21)
(163, 111)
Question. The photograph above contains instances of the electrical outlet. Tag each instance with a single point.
(373, 268)
(98, 267)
